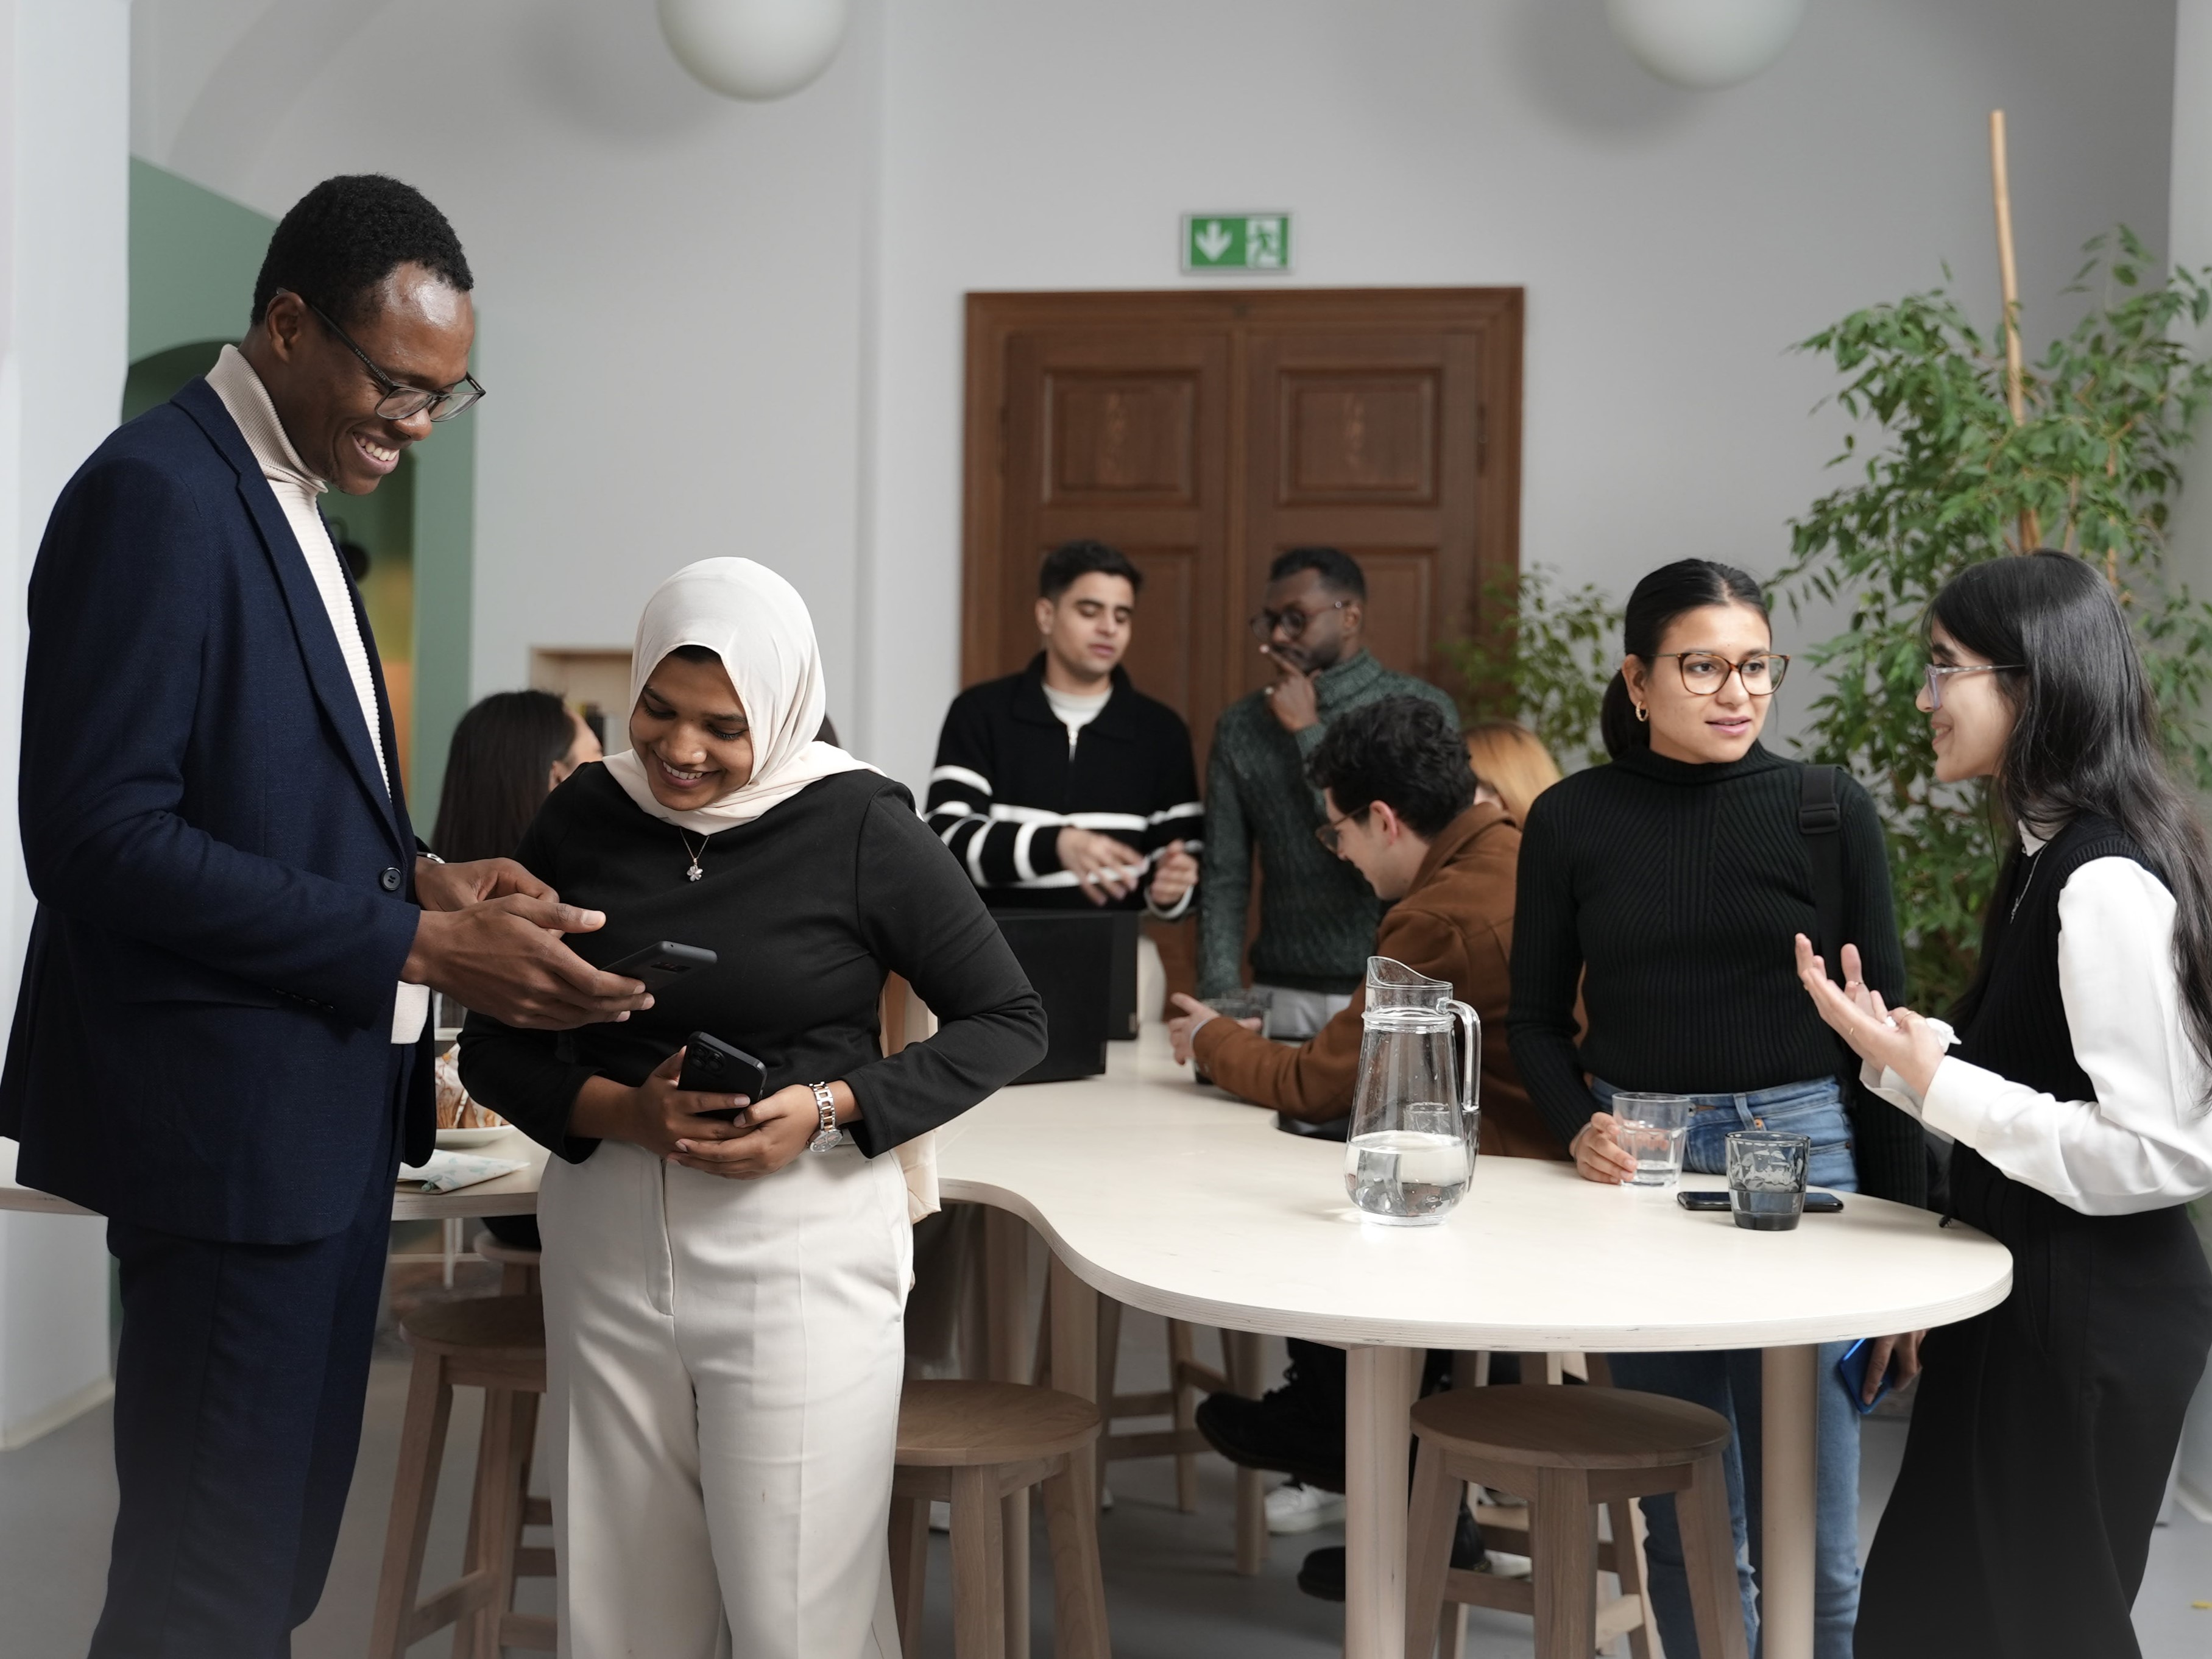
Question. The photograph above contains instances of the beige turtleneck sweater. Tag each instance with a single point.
(295, 489)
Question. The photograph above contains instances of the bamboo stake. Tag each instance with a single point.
(2031, 533)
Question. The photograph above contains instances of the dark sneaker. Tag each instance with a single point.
(1288, 1431)
(1320, 1575)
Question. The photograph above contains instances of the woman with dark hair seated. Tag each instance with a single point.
(724, 1295)
(2077, 1092)
(509, 752)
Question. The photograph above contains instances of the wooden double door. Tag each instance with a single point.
(1203, 434)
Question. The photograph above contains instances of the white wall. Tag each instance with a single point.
(64, 167)
(763, 303)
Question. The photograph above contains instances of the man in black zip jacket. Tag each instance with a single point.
(1064, 786)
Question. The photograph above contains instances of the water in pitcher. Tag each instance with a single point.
(1410, 1177)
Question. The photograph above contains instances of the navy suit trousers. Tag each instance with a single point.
(239, 1391)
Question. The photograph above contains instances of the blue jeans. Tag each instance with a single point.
(1729, 1382)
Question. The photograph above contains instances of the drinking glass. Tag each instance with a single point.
(1652, 1130)
(1766, 1178)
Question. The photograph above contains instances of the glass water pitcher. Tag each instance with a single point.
(1414, 1115)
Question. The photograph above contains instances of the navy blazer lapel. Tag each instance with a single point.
(310, 621)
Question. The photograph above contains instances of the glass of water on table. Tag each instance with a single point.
(1652, 1130)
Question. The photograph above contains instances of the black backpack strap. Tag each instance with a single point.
(1820, 821)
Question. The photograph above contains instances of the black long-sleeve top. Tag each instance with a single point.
(1669, 894)
(807, 908)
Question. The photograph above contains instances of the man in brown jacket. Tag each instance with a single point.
(1401, 806)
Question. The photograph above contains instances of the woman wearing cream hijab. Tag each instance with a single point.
(723, 1299)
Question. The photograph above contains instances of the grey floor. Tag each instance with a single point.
(1170, 1588)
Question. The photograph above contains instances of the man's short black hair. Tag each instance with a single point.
(1405, 751)
(1339, 571)
(346, 236)
(1071, 560)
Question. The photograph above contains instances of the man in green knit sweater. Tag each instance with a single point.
(1317, 915)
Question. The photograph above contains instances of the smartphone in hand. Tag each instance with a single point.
(712, 1066)
(661, 964)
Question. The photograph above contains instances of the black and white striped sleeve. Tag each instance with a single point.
(999, 843)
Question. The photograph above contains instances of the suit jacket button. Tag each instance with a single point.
(390, 879)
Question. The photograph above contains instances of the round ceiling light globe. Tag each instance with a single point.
(1705, 43)
(754, 49)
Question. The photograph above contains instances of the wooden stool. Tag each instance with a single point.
(1565, 1450)
(974, 1444)
(518, 1267)
(496, 1344)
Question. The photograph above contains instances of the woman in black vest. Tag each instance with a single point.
(2076, 1097)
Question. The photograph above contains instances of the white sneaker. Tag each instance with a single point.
(1295, 1508)
(1503, 1564)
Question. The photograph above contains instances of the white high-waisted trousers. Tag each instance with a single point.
(724, 1360)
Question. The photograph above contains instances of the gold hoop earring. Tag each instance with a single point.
(1642, 713)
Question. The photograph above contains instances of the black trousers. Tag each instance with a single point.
(2042, 1437)
(238, 1389)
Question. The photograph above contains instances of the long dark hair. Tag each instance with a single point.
(497, 773)
(1671, 591)
(2085, 738)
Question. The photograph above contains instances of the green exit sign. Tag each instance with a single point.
(1236, 241)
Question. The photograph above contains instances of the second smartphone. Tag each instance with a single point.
(712, 1066)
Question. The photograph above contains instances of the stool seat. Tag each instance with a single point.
(955, 1424)
(478, 1323)
(1543, 1427)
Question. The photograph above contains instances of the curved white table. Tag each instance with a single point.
(1168, 1196)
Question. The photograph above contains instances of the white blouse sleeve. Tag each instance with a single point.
(2145, 1141)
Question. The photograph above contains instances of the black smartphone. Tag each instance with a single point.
(1716, 1198)
(712, 1066)
(661, 964)
(1852, 1368)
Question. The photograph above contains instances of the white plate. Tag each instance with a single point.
(461, 1141)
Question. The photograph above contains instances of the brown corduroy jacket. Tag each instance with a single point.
(1455, 923)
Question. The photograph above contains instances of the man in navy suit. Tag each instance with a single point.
(219, 1040)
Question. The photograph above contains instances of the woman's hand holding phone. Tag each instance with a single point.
(780, 1128)
(657, 1114)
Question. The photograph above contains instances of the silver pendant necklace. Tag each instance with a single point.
(2012, 914)
(695, 872)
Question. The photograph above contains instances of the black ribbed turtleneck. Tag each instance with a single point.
(1668, 894)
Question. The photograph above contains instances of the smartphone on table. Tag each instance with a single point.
(712, 1066)
(662, 964)
(1716, 1199)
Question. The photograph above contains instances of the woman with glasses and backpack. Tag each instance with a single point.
(2077, 1091)
(1650, 889)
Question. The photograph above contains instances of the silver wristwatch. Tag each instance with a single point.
(826, 1134)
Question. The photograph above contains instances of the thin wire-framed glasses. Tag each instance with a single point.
(1940, 671)
(1704, 672)
(1328, 835)
(1294, 622)
(401, 402)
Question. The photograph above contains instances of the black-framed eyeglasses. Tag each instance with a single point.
(1294, 622)
(1330, 834)
(401, 402)
(1704, 672)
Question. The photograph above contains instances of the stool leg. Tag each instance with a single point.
(1014, 1531)
(909, 1568)
(1109, 1349)
(1563, 1540)
(1451, 1632)
(1079, 1592)
(979, 1567)
(495, 1521)
(1241, 1352)
(1709, 1561)
(1628, 1522)
(1186, 1413)
(1431, 1519)
(421, 1448)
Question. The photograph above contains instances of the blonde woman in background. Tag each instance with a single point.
(1511, 763)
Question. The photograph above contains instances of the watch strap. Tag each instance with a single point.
(826, 1132)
